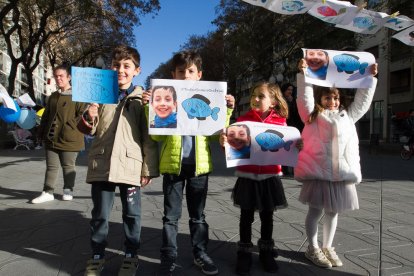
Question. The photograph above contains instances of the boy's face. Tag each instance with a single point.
(186, 73)
(126, 72)
(62, 79)
(316, 59)
(237, 137)
(163, 102)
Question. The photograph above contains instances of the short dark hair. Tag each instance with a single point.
(121, 52)
(187, 58)
(165, 87)
(64, 67)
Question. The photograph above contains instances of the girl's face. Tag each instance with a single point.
(237, 137)
(261, 100)
(163, 102)
(330, 101)
(62, 79)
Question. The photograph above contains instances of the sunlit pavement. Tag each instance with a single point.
(53, 238)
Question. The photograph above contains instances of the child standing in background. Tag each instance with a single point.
(328, 165)
(122, 155)
(259, 187)
(186, 163)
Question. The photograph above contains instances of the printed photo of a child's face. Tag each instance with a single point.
(316, 59)
(164, 101)
(238, 136)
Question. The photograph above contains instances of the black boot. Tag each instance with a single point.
(244, 258)
(266, 253)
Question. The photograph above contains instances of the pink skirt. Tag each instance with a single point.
(332, 196)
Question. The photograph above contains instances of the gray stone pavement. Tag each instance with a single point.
(53, 238)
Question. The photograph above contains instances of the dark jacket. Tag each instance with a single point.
(67, 113)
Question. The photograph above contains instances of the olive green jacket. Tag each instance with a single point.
(67, 114)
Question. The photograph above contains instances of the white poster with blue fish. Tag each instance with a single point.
(284, 6)
(398, 23)
(334, 12)
(91, 85)
(406, 36)
(365, 22)
(254, 143)
(342, 69)
(185, 107)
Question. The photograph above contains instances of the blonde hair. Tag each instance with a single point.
(281, 107)
(318, 93)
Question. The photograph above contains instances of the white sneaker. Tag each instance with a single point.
(38, 147)
(316, 256)
(44, 197)
(67, 195)
(331, 256)
(406, 147)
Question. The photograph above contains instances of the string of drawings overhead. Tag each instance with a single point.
(344, 15)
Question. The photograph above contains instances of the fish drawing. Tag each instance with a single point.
(364, 23)
(95, 91)
(271, 140)
(198, 107)
(292, 6)
(327, 11)
(394, 20)
(349, 64)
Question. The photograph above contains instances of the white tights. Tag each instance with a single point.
(329, 227)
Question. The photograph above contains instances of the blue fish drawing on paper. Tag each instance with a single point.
(95, 91)
(364, 23)
(394, 20)
(198, 107)
(349, 64)
(292, 6)
(271, 140)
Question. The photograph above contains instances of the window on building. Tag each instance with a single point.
(400, 81)
(399, 51)
(378, 114)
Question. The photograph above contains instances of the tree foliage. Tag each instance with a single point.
(77, 31)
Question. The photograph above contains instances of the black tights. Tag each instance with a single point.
(245, 226)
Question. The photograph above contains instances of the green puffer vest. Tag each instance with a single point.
(170, 161)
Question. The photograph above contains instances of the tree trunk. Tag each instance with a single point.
(12, 77)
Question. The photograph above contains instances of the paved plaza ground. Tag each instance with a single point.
(53, 238)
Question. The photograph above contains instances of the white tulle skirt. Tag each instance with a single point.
(331, 196)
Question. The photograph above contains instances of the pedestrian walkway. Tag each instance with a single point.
(53, 238)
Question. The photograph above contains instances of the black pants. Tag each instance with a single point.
(245, 227)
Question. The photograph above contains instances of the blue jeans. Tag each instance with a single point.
(196, 193)
(103, 194)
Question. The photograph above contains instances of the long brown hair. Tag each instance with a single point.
(318, 93)
(281, 107)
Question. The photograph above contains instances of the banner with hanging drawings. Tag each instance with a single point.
(341, 13)
(284, 6)
(365, 22)
(342, 69)
(185, 107)
(398, 23)
(406, 36)
(254, 143)
(334, 12)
